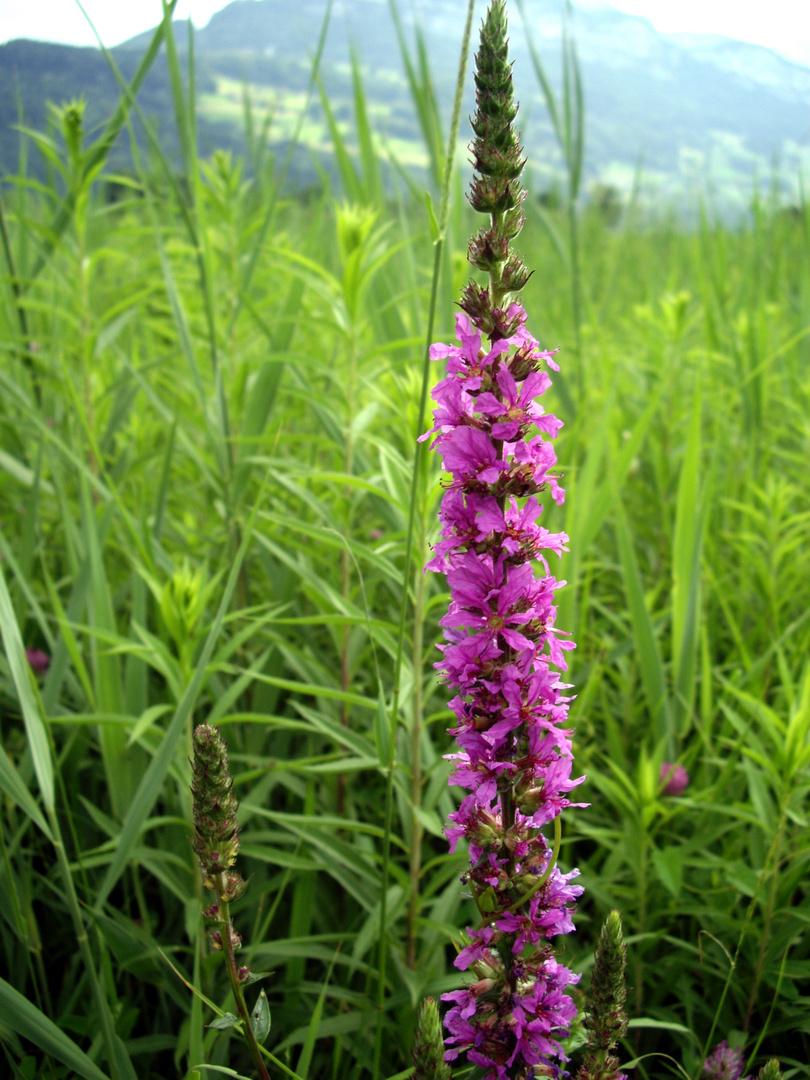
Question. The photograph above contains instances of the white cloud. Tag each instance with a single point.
(776, 25)
(62, 20)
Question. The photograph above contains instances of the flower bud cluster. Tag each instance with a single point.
(606, 1020)
(216, 834)
(428, 1051)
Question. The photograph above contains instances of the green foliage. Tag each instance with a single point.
(210, 401)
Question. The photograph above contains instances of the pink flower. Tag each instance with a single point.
(674, 778)
(38, 660)
(724, 1063)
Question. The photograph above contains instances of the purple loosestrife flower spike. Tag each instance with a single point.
(503, 655)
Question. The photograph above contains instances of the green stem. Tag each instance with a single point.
(233, 977)
(496, 273)
(749, 912)
(490, 917)
(345, 556)
(82, 940)
(765, 936)
(642, 917)
(415, 854)
(27, 355)
(547, 872)
(576, 282)
(434, 290)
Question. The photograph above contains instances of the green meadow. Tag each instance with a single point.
(212, 509)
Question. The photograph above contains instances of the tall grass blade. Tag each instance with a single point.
(651, 667)
(35, 730)
(109, 691)
(369, 157)
(95, 156)
(26, 1019)
(422, 94)
(416, 477)
(151, 784)
(690, 522)
(280, 180)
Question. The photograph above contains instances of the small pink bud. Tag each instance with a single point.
(675, 778)
(38, 660)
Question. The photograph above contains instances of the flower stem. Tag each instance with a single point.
(547, 872)
(415, 856)
(223, 908)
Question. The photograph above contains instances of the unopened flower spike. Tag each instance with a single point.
(503, 655)
(606, 1020)
(216, 845)
(428, 1048)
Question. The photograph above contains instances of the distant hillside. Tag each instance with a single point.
(683, 104)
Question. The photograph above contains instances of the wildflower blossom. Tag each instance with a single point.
(502, 652)
(724, 1063)
(674, 778)
(38, 661)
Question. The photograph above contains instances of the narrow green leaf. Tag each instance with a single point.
(382, 730)
(690, 520)
(21, 473)
(434, 224)
(669, 868)
(26, 1019)
(13, 786)
(150, 786)
(223, 1070)
(109, 690)
(35, 730)
(649, 657)
(307, 1049)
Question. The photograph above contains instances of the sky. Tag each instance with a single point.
(781, 25)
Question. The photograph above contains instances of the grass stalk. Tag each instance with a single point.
(416, 779)
(749, 912)
(101, 1006)
(444, 209)
(19, 307)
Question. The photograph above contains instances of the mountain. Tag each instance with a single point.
(684, 105)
